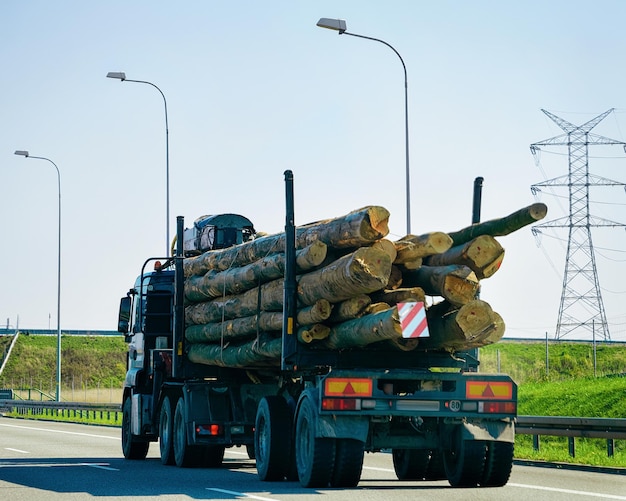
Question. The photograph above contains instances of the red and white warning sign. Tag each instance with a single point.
(413, 320)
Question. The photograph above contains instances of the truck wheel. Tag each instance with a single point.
(465, 461)
(132, 447)
(410, 464)
(348, 463)
(166, 421)
(185, 455)
(315, 457)
(272, 438)
(498, 464)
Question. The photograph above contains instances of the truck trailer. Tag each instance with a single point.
(313, 415)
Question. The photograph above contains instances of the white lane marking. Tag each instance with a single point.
(239, 494)
(567, 491)
(16, 450)
(104, 466)
(59, 431)
(238, 453)
(378, 469)
(100, 466)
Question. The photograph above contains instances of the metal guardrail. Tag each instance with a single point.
(572, 428)
(45, 408)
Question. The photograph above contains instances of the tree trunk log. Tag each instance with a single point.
(237, 280)
(483, 255)
(310, 333)
(237, 328)
(365, 330)
(456, 283)
(472, 325)
(264, 351)
(314, 314)
(413, 265)
(395, 278)
(365, 270)
(350, 308)
(388, 247)
(361, 272)
(393, 297)
(501, 226)
(243, 327)
(412, 247)
(358, 228)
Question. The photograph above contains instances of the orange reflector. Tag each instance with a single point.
(348, 387)
(484, 390)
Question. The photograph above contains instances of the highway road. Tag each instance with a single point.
(60, 461)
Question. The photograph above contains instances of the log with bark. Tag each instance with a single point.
(456, 283)
(363, 271)
(243, 327)
(347, 301)
(236, 280)
(454, 328)
(353, 307)
(357, 228)
(501, 226)
(365, 330)
(483, 255)
(310, 333)
(403, 295)
(260, 352)
(413, 247)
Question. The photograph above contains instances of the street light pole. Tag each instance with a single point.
(25, 154)
(339, 25)
(120, 75)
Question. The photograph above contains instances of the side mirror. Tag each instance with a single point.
(123, 322)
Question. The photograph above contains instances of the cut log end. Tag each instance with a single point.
(538, 211)
(379, 220)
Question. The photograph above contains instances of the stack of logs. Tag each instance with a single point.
(350, 280)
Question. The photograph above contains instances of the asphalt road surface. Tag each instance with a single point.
(60, 461)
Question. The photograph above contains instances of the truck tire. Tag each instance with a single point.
(166, 430)
(411, 464)
(315, 457)
(348, 463)
(132, 447)
(185, 455)
(465, 461)
(498, 464)
(272, 438)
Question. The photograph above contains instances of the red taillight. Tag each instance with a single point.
(497, 407)
(209, 429)
(341, 404)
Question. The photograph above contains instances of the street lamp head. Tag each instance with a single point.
(120, 75)
(333, 24)
(21, 153)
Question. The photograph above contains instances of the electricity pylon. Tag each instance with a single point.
(581, 301)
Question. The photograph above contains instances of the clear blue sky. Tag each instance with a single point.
(255, 88)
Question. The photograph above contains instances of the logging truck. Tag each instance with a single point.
(305, 408)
